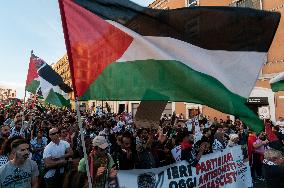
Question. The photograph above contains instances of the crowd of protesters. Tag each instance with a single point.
(43, 148)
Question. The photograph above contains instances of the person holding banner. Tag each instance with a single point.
(207, 137)
(220, 142)
(188, 152)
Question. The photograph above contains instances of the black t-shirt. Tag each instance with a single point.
(274, 175)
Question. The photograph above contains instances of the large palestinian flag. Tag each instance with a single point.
(208, 55)
(45, 82)
(277, 83)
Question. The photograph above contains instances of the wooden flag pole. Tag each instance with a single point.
(83, 142)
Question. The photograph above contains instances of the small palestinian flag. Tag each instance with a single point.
(207, 55)
(44, 81)
(277, 83)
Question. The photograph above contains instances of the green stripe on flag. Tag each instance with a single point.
(278, 86)
(56, 99)
(174, 80)
(33, 86)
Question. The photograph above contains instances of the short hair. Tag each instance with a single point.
(18, 122)
(127, 134)
(205, 130)
(18, 142)
(6, 148)
(272, 154)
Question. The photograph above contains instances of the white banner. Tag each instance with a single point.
(222, 169)
(176, 153)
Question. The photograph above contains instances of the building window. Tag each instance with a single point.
(192, 3)
(255, 4)
(161, 5)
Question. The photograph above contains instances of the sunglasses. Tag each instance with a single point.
(53, 133)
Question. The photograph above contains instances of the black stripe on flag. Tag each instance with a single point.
(213, 28)
(47, 73)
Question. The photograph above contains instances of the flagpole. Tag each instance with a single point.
(83, 141)
(24, 100)
(24, 108)
(70, 59)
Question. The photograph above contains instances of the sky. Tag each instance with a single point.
(25, 26)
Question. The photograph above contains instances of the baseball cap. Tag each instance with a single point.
(100, 142)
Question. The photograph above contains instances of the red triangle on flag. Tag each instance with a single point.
(94, 44)
(32, 72)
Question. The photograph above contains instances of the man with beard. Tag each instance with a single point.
(20, 171)
(102, 167)
(5, 132)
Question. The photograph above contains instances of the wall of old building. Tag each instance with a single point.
(180, 108)
(279, 100)
(275, 55)
(213, 113)
(214, 2)
(165, 4)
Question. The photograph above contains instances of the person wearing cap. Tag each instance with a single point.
(101, 164)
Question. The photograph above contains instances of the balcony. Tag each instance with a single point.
(255, 4)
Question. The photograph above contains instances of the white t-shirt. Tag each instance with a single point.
(55, 151)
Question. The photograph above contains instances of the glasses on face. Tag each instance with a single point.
(53, 133)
